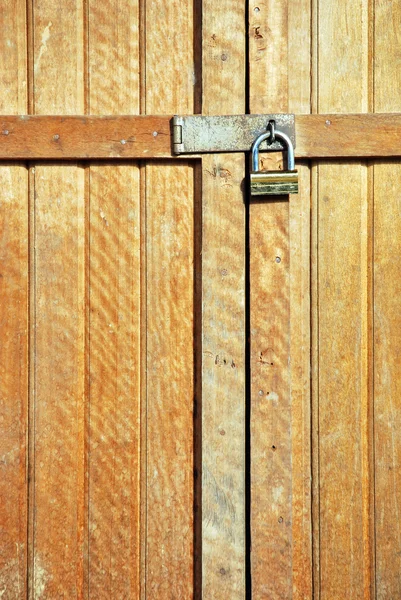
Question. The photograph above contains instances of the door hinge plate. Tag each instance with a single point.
(198, 134)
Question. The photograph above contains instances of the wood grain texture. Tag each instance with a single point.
(341, 382)
(387, 409)
(114, 391)
(14, 318)
(268, 55)
(270, 428)
(271, 508)
(342, 391)
(83, 137)
(223, 384)
(126, 137)
(314, 383)
(299, 100)
(169, 540)
(348, 135)
(223, 314)
(299, 235)
(169, 64)
(14, 377)
(13, 67)
(387, 323)
(112, 276)
(115, 315)
(59, 370)
(280, 326)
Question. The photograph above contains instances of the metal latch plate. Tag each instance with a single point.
(198, 134)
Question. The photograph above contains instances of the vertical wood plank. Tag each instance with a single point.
(387, 286)
(341, 381)
(299, 235)
(58, 241)
(299, 101)
(169, 78)
(387, 322)
(271, 480)
(114, 392)
(315, 383)
(114, 304)
(281, 561)
(13, 396)
(223, 314)
(271, 510)
(14, 317)
(268, 55)
(315, 317)
(343, 317)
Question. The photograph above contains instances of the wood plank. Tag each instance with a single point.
(299, 101)
(279, 305)
(169, 256)
(14, 388)
(299, 235)
(72, 137)
(14, 318)
(314, 262)
(315, 381)
(59, 374)
(343, 318)
(114, 392)
(115, 315)
(271, 510)
(118, 137)
(341, 381)
(269, 252)
(223, 315)
(387, 322)
(387, 384)
(169, 551)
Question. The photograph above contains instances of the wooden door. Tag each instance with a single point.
(200, 395)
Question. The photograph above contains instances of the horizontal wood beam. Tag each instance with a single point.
(149, 137)
(83, 137)
(348, 136)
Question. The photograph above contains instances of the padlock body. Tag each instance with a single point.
(274, 183)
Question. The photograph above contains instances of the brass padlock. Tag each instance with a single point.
(273, 183)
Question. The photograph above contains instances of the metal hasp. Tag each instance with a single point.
(198, 134)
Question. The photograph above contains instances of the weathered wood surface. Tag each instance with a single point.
(58, 241)
(66, 137)
(279, 324)
(223, 314)
(63, 137)
(299, 101)
(385, 362)
(387, 384)
(342, 320)
(14, 280)
(105, 279)
(168, 346)
(114, 344)
(111, 301)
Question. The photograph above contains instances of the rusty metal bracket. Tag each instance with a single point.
(197, 134)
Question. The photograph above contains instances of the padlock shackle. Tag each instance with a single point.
(264, 136)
